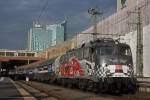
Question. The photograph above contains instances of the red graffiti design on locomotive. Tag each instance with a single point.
(72, 68)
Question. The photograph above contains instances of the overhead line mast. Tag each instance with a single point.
(139, 44)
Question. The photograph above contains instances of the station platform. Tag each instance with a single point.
(11, 91)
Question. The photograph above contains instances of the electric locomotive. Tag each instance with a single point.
(103, 64)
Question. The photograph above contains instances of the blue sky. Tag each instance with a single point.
(16, 17)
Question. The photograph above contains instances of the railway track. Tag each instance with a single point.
(144, 83)
(61, 93)
(37, 94)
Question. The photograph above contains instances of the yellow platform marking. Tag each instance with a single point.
(23, 92)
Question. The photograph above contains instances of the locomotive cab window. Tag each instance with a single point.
(86, 53)
(106, 50)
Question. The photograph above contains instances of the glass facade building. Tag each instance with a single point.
(40, 38)
(57, 33)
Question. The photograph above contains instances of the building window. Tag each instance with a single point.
(2, 53)
(21, 54)
(31, 54)
(9, 53)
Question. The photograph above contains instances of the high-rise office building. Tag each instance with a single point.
(40, 37)
(57, 33)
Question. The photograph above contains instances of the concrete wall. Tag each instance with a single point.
(131, 39)
(146, 50)
(121, 23)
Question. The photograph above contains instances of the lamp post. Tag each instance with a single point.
(94, 12)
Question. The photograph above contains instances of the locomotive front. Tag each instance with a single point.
(114, 67)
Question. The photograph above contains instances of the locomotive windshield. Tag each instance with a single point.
(107, 50)
(110, 50)
(115, 54)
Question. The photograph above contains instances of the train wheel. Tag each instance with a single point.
(63, 83)
(134, 89)
(112, 88)
(105, 87)
(90, 85)
(95, 87)
(82, 84)
(52, 79)
(57, 81)
(101, 86)
(70, 85)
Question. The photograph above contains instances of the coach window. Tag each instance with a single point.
(92, 53)
(65, 58)
(77, 53)
(50, 67)
(45, 68)
(86, 53)
(80, 53)
(69, 55)
(40, 69)
(74, 52)
(62, 59)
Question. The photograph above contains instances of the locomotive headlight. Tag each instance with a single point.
(104, 65)
(130, 69)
